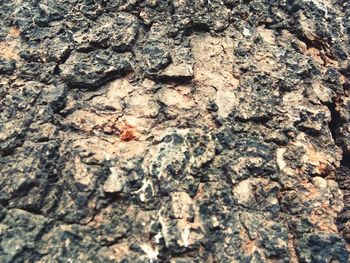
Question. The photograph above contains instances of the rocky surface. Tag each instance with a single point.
(174, 131)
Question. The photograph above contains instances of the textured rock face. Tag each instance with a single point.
(175, 131)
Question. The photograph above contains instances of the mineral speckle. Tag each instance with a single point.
(175, 131)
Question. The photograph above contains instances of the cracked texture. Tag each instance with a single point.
(174, 131)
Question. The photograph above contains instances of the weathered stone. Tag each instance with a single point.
(118, 32)
(115, 181)
(7, 67)
(174, 131)
(20, 230)
(321, 247)
(93, 69)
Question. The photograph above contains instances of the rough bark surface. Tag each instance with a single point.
(174, 131)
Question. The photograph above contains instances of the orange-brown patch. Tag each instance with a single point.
(14, 32)
(200, 192)
(100, 218)
(291, 248)
(8, 47)
(128, 133)
(248, 245)
(7, 50)
(318, 159)
(119, 251)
